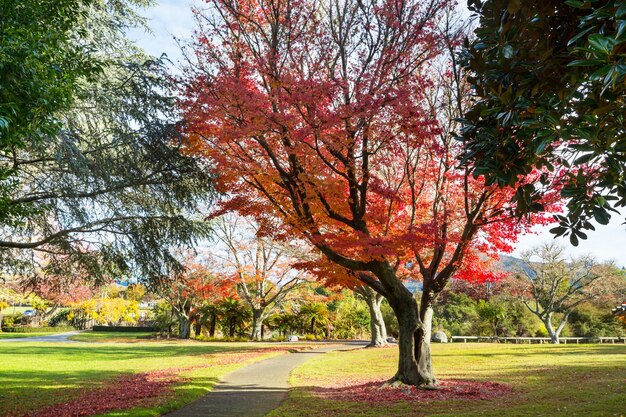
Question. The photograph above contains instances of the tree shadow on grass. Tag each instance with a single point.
(79, 352)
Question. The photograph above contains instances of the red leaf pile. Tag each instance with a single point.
(377, 392)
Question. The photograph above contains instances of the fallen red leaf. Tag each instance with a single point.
(379, 392)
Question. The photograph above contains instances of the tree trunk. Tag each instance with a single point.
(257, 325)
(233, 324)
(212, 324)
(561, 325)
(414, 361)
(554, 335)
(378, 331)
(422, 340)
(313, 325)
(184, 326)
(198, 328)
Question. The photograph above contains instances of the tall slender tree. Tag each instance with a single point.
(261, 267)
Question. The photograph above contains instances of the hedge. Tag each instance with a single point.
(124, 329)
(27, 329)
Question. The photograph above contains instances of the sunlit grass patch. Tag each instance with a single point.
(564, 380)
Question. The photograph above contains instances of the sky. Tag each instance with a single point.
(170, 20)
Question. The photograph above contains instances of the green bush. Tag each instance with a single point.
(351, 318)
(164, 319)
(456, 315)
(541, 332)
(592, 321)
(10, 321)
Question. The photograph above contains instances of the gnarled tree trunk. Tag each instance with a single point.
(414, 362)
(422, 340)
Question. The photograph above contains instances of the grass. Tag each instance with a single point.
(34, 375)
(15, 310)
(546, 380)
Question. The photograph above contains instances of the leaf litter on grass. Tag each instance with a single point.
(378, 391)
(141, 389)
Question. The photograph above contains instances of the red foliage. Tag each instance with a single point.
(359, 161)
(61, 292)
(377, 392)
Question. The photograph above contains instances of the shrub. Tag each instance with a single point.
(591, 321)
(164, 319)
(10, 321)
(541, 331)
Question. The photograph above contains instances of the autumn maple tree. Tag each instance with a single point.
(186, 291)
(328, 121)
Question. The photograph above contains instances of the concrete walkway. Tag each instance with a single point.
(255, 390)
(58, 338)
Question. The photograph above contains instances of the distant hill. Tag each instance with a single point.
(414, 286)
(512, 264)
(506, 263)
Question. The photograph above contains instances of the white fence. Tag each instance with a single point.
(540, 340)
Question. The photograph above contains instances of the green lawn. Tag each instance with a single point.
(545, 380)
(34, 375)
(15, 310)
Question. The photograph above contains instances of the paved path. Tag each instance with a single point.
(59, 337)
(255, 390)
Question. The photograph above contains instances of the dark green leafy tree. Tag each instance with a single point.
(549, 80)
(40, 64)
(108, 190)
